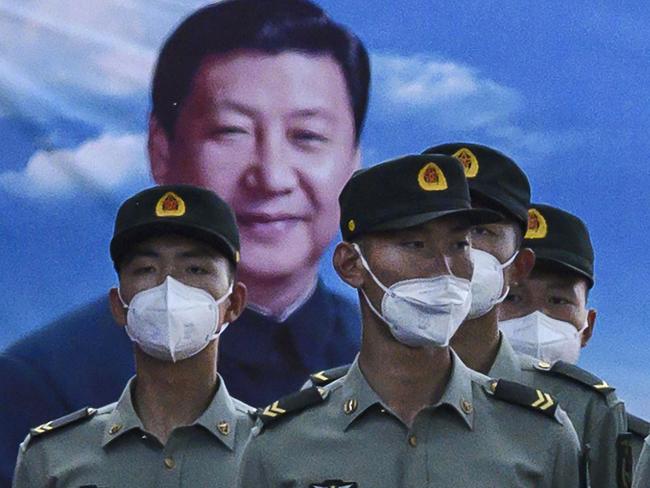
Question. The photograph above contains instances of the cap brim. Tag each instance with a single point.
(474, 216)
(504, 204)
(121, 243)
(544, 255)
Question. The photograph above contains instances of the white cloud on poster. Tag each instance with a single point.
(102, 165)
(70, 51)
(456, 98)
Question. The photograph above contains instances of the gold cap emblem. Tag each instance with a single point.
(431, 178)
(468, 160)
(537, 226)
(170, 205)
(352, 225)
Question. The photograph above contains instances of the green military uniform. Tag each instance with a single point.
(110, 447)
(596, 413)
(471, 437)
(562, 239)
(480, 432)
(642, 472)
(633, 440)
(598, 416)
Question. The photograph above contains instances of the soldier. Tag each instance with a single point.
(263, 103)
(175, 249)
(500, 259)
(546, 313)
(409, 412)
(642, 472)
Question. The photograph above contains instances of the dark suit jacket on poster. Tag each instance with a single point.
(84, 359)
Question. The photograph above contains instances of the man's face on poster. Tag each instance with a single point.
(274, 136)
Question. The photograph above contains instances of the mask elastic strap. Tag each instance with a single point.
(367, 268)
(510, 261)
(503, 266)
(584, 327)
(225, 325)
(119, 295)
(375, 311)
(503, 297)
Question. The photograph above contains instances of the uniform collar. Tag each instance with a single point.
(123, 418)
(358, 396)
(219, 418)
(507, 363)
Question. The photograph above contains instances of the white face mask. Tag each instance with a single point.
(543, 337)
(422, 311)
(487, 282)
(173, 321)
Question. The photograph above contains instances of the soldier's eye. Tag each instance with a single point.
(413, 244)
(555, 300)
(462, 245)
(480, 231)
(513, 298)
(145, 269)
(197, 270)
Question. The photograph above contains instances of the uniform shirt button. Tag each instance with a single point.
(413, 441)
(169, 463)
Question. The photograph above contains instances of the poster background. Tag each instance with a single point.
(562, 88)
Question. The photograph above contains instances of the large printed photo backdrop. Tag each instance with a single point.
(561, 88)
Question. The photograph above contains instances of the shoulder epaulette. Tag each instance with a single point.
(525, 396)
(71, 418)
(291, 404)
(578, 374)
(327, 376)
(638, 426)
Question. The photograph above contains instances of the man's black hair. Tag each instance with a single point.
(267, 26)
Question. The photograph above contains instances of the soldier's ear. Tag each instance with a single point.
(347, 264)
(158, 150)
(589, 331)
(236, 302)
(522, 265)
(117, 308)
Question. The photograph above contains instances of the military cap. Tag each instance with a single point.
(405, 192)
(560, 238)
(180, 209)
(492, 176)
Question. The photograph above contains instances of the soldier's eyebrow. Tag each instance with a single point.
(462, 227)
(559, 284)
(143, 253)
(196, 253)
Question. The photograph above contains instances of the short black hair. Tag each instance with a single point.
(267, 26)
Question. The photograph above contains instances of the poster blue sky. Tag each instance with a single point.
(561, 87)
